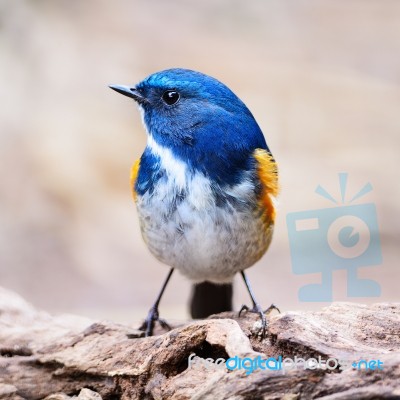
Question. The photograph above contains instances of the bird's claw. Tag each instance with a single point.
(148, 325)
(271, 308)
(243, 308)
(257, 309)
(164, 324)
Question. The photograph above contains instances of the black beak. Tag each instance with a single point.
(131, 92)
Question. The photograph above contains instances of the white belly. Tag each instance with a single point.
(201, 237)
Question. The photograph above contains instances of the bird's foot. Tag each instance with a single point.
(258, 310)
(148, 325)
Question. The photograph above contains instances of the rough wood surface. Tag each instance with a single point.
(64, 357)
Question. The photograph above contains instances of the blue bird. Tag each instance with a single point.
(204, 186)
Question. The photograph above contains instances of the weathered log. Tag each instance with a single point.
(62, 357)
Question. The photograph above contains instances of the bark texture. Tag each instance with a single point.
(63, 357)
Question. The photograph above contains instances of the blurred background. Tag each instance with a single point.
(322, 79)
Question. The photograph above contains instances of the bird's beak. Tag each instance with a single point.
(130, 92)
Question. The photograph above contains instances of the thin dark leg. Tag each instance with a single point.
(153, 316)
(249, 289)
(256, 306)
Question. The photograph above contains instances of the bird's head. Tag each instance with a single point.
(194, 115)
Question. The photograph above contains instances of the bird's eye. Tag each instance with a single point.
(170, 97)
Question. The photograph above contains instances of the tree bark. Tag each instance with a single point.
(62, 357)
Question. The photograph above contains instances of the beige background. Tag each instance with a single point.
(321, 77)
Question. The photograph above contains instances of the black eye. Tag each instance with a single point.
(170, 97)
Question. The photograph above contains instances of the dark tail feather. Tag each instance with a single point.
(210, 298)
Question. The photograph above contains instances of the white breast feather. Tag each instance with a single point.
(203, 241)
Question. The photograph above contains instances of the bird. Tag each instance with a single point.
(205, 187)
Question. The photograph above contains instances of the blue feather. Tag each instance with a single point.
(210, 129)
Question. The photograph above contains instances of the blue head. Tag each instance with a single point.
(200, 120)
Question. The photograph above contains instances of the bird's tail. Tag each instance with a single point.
(210, 298)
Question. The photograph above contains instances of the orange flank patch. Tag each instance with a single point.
(134, 174)
(268, 174)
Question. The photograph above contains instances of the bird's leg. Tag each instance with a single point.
(153, 316)
(256, 306)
